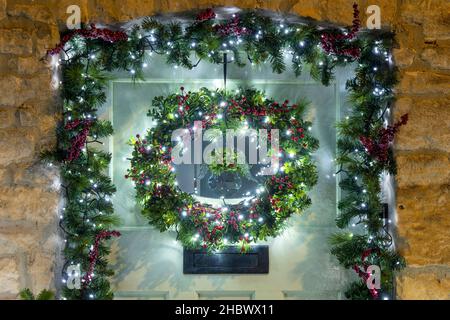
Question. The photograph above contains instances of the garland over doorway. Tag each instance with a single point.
(89, 54)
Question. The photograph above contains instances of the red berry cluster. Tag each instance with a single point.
(161, 191)
(378, 148)
(182, 99)
(79, 141)
(282, 182)
(93, 254)
(297, 132)
(93, 33)
(244, 108)
(203, 223)
(207, 14)
(232, 28)
(232, 220)
(275, 204)
(332, 43)
(362, 271)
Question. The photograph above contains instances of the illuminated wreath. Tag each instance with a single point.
(262, 213)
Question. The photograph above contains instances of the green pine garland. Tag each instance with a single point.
(87, 61)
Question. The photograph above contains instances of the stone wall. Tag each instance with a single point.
(29, 192)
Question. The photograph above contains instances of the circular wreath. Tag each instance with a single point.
(258, 216)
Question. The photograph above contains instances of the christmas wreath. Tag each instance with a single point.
(262, 213)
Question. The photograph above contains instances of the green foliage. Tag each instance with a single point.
(360, 205)
(45, 294)
(199, 225)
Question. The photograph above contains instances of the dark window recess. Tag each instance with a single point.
(229, 260)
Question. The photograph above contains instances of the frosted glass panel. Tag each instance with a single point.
(146, 260)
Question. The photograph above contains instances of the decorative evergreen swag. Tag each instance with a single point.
(262, 214)
(87, 59)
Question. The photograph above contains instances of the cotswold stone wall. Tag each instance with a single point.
(30, 194)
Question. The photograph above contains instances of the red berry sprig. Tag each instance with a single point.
(378, 147)
(332, 43)
(93, 33)
(362, 271)
(93, 254)
(205, 15)
(78, 142)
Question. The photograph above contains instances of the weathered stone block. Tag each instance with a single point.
(9, 275)
(423, 223)
(428, 127)
(422, 169)
(2, 9)
(36, 12)
(44, 176)
(404, 57)
(430, 283)
(434, 16)
(8, 63)
(7, 118)
(30, 65)
(15, 41)
(40, 267)
(28, 204)
(16, 147)
(5, 176)
(27, 116)
(437, 58)
(420, 82)
(9, 84)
